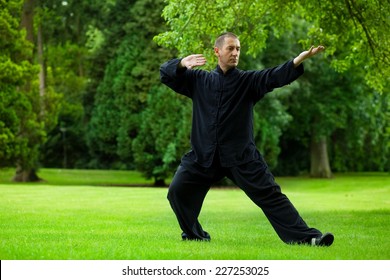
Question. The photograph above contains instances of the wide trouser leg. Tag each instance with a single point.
(186, 195)
(255, 179)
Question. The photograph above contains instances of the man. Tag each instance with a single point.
(223, 143)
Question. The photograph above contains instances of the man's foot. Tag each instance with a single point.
(324, 240)
(186, 237)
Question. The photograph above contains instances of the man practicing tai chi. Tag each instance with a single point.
(223, 143)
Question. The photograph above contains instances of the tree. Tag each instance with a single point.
(335, 109)
(41, 103)
(20, 128)
(15, 70)
(364, 144)
(114, 117)
(130, 74)
(69, 41)
(356, 34)
(163, 134)
(65, 145)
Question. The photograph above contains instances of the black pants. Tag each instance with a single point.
(192, 182)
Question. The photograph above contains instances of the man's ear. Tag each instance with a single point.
(216, 51)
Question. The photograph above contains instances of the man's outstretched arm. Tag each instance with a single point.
(307, 54)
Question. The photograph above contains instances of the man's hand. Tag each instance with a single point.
(192, 61)
(307, 54)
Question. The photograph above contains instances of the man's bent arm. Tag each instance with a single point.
(172, 75)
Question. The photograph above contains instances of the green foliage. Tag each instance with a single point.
(65, 28)
(270, 118)
(11, 106)
(363, 145)
(21, 128)
(338, 106)
(15, 67)
(119, 97)
(194, 25)
(163, 135)
(130, 74)
(355, 32)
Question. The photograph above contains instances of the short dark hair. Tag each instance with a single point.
(221, 38)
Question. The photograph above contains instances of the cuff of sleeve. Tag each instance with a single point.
(179, 71)
(171, 68)
(299, 69)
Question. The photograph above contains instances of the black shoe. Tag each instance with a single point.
(186, 237)
(324, 240)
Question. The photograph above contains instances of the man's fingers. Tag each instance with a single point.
(320, 48)
(200, 59)
(196, 60)
(315, 50)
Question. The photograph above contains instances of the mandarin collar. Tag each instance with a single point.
(230, 71)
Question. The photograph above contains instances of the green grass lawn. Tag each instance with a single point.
(72, 216)
(82, 177)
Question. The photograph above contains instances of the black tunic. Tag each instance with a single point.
(222, 118)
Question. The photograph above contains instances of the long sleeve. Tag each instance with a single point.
(175, 78)
(268, 79)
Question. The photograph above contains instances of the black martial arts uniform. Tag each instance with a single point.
(223, 145)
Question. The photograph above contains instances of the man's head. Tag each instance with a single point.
(227, 49)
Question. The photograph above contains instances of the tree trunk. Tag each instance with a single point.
(319, 161)
(159, 182)
(26, 175)
(28, 19)
(42, 74)
(22, 173)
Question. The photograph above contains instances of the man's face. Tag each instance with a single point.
(228, 55)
